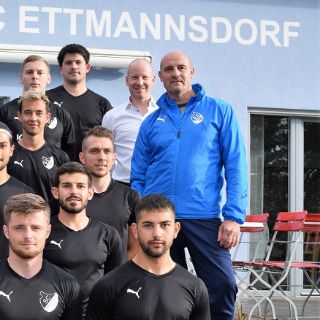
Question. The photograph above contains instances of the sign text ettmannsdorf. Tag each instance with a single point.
(107, 24)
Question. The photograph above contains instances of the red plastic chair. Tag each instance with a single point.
(290, 223)
(255, 228)
(311, 229)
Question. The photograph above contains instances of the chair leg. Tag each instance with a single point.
(274, 316)
(315, 287)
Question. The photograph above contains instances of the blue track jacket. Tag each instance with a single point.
(187, 157)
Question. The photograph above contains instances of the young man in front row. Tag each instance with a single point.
(78, 244)
(30, 287)
(151, 286)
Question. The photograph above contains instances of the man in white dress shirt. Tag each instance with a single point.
(124, 121)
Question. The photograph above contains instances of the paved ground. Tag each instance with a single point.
(312, 310)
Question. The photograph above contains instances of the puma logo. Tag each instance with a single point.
(161, 119)
(134, 292)
(18, 163)
(6, 295)
(58, 244)
(58, 104)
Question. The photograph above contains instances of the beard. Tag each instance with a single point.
(25, 254)
(73, 209)
(149, 251)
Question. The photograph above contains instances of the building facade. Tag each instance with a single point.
(261, 56)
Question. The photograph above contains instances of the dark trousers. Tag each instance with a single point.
(212, 263)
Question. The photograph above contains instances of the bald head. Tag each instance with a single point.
(139, 64)
(176, 72)
(174, 55)
(140, 80)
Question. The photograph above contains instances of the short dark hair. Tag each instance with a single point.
(73, 48)
(69, 168)
(100, 132)
(154, 202)
(24, 204)
(34, 95)
(5, 129)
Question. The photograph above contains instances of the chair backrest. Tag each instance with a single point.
(255, 222)
(290, 221)
(312, 223)
(287, 222)
(261, 217)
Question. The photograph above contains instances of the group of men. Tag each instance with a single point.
(175, 154)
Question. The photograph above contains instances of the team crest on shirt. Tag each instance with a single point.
(48, 162)
(52, 123)
(48, 301)
(197, 117)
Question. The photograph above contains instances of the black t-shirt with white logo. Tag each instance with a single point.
(87, 254)
(58, 131)
(116, 207)
(132, 293)
(37, 168)
(86, 110)
(52, 294)
(8, 189)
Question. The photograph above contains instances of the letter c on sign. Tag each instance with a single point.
(2, 24)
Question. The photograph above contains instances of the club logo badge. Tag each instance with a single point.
(48, 162)
(197, 117)
(48, 301)
(52, 123)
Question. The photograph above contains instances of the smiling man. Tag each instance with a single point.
(30, 287)
(186, 151)
(59, 131)
(124, 121)
(86, 248)
(85, 106)
(34, 161)
(151, 286)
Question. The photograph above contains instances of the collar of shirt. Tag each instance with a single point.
(151, 107)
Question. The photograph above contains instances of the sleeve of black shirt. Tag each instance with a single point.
(99, 306)
(113, 241)
(63, 158)
(73, 304)
(68, 140)
(105, 105)
(201, 310)
(134, 197)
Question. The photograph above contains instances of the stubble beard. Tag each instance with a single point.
(26, 255)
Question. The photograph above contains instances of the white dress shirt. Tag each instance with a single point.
(124, 121)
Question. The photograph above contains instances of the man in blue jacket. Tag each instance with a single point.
(185, 150)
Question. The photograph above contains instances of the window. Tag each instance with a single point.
(284, 165)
